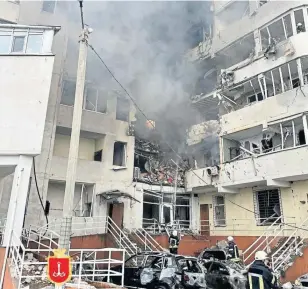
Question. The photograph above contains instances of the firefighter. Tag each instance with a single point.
(233, 253)
(260, 276)
(174, 242)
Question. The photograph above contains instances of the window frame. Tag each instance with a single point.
(214, 211)
(21, 32)
(54, 7)
(257, 205)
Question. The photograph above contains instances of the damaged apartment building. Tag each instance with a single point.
(258, 56)
(161, 178)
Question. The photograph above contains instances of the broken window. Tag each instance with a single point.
(49, 6)
(123, 107)
(299, 21)
(304, 65)
(95, 100)
(267, 206)
(119, 154)
(287, 134)
(267, 143)
(182, 211)
(219, 211)
(238, 51)
(276, 32)
(151, 210)
(68, 92)
(98, 156)
(301, 137)
(84, 198)
(252, 90)
(270, 84)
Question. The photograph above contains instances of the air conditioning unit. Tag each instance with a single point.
(212, 171)
(136, 173)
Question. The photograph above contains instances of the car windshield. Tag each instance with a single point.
(135, 261)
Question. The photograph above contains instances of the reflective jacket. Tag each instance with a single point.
(261, 277)
(174, 241)
(233, 250)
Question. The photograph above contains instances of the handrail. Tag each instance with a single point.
(157, 245)
(258, 239)
(125, 238)
(278, 262)
(148, 239)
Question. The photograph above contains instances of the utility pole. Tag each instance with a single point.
(66, 224)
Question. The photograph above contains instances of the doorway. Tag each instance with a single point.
(167, 216)
(116, 213)
(204, 220)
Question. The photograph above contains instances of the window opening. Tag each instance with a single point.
(95, 100)
(267, 143)
(304, 65)
(287, 134)
(299, 21)
(98, 156)
(135, 261)
(288, 26)
(268, 206)
(123, 107)
(68, 92)
(18, 43)
(301, 137)
(219, 211)
(119, 154)
(34, 43)
(49, 6)
(151, 210)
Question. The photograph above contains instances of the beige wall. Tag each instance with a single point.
(241, 222)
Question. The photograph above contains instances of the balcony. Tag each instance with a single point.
(101, 123)
(274, 169)
(273, 108)
(199, 180)
(87, 171)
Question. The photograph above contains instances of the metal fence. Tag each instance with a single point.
(87, 264)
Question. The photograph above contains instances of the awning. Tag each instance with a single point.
(116, 194)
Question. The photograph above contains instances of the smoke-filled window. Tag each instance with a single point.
(68, 92)
(119, 154)
(49, 6)
(123, 107)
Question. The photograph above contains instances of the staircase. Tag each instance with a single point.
(290, 248)
(281, 249)
(268, 239)
(133, 241)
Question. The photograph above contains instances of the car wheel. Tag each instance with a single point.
(161, 286)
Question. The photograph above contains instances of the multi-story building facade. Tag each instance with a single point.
(106, 151)
(258, 51)
(23, 112)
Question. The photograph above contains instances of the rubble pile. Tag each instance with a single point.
(155, 168)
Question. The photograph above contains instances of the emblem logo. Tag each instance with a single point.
(59, 269)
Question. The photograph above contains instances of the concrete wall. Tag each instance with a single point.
(86, 147)
(9, 11)
(23, 108)
(274, 108)
(286, 165)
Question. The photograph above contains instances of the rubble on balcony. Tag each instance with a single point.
(152, 167)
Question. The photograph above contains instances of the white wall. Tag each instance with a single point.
(25, 84)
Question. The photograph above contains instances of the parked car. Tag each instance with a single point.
(301, 282)
(162, 270)
(221, 272)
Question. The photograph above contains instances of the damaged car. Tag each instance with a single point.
(162, 270)
(221, 272)
(301, 282)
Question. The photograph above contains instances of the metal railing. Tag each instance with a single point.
(99, 268)
(81, 226)
(290, 247)
(39, 238)
(151, 226)
(121, 238)
(263, 242)
(147, 242)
